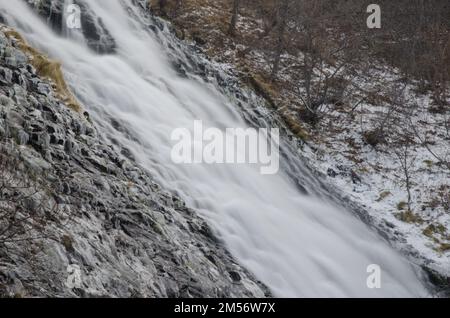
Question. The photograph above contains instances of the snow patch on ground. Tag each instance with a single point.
(374, 179)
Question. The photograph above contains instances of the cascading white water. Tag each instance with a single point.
(296, 245)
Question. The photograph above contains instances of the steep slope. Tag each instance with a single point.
(151, 84)
(412, 210)
(90, 210)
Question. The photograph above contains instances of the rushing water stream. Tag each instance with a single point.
(295, 244)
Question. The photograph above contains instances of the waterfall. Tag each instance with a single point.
(298, 245)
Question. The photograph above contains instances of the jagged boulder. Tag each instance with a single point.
(97, 36)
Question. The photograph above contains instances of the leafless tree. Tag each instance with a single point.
(395, 102)
(234, 18)
(424, 141)
(162, 7)
(324, 60)
(406, 160)
(282, 20)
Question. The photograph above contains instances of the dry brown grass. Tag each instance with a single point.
(295, 126)
(408, 216)
(46, 68)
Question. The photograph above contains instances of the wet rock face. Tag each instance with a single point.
(97, 36)
(120, 234)
(51, 11)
